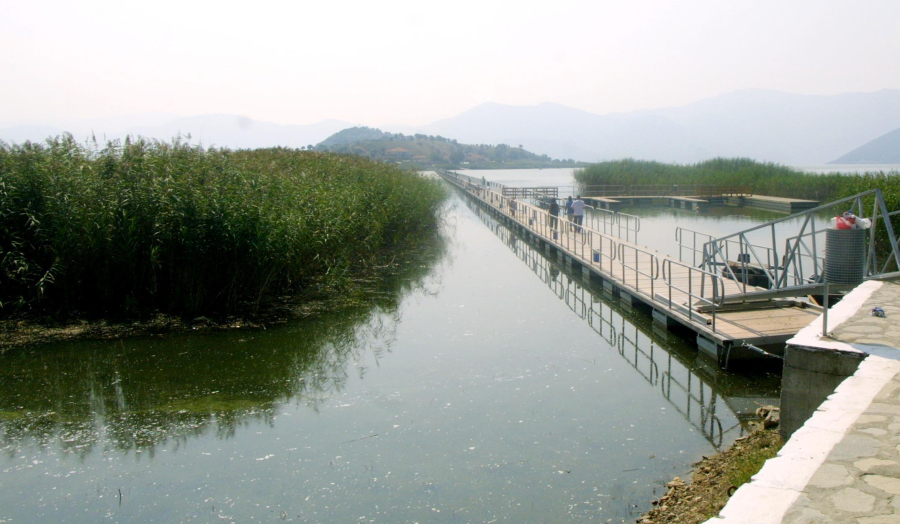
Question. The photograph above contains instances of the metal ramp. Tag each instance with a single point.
(769, 265)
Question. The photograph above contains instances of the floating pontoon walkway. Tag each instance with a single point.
(703, 203)
(678, 293)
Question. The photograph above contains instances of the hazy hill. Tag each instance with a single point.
(564, 132)
(424, 150)
(765, 125)
(352, 134)
(788, 128)
(883, 150)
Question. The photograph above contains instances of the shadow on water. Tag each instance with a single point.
(719, 404)
(137, 394)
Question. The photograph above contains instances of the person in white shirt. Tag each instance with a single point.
(578, 209)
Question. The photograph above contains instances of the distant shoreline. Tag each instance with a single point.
(851, 169)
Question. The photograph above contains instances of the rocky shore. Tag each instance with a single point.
(713, 480)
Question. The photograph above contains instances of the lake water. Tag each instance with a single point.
(851, 168)
(483, 384)
(561, 177)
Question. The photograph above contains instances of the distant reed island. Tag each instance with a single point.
(761, 178)
(128, 228)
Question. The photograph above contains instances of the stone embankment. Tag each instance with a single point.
(843, 464)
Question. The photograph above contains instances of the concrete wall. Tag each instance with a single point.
(809, 376)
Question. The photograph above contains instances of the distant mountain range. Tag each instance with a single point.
(883, 150)
(763, 125)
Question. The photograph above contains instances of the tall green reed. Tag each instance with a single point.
(143, 225)
(761, 178)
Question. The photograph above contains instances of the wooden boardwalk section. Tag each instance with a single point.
(679, 294)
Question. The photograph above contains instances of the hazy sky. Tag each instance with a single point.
(414, 62)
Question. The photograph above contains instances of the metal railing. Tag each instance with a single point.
(530, 192)
(695, 250)
(621, 225)
(638, 253)
(801, 259)
(717, 285)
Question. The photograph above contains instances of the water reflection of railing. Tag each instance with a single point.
(689, 392)
(571, 292)
(695, 399)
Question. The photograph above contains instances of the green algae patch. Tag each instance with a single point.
(9, 416)
(211, 404)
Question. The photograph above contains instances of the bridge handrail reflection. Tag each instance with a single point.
(647, 362)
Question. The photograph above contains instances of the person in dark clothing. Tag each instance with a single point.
(554, 213)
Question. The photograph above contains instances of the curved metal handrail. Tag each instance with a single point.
(609, 254)
(654, 271)
(679, 239)
(717, 283)
(630, 218)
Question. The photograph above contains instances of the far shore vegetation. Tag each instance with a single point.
(422, 152)
(758, 177)
(132, 228)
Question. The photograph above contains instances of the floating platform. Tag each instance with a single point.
(694, 204)
(702, 204)
(603, 203)
(784, 205)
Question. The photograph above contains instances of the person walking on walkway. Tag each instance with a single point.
(578, 211)
(569, 211)
(554, 212)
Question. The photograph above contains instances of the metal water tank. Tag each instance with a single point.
(845, 256)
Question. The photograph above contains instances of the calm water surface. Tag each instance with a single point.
(486, 384)
(851, 168)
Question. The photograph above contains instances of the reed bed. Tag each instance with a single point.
(145, 225)
(762, 178)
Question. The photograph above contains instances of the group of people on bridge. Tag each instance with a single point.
(574, 212)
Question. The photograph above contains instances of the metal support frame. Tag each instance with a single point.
(800, 260)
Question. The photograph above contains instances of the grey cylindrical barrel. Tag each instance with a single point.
(845, 256)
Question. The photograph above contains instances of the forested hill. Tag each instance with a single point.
(421, 151)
